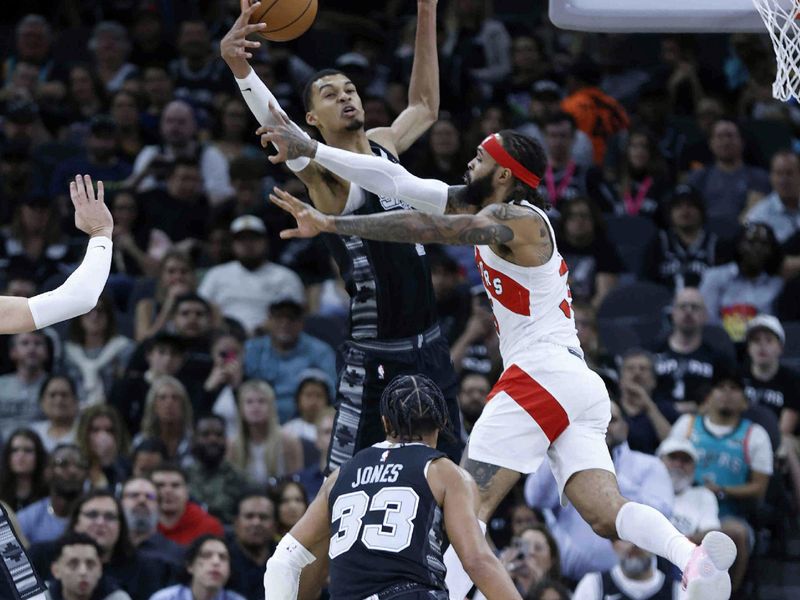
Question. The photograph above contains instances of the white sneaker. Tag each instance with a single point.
(706, 574)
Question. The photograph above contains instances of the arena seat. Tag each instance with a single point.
(791, 350)
(639, 305)
(631, 235)
(718, 338)
(616, 338)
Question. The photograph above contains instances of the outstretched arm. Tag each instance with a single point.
(80, 292)
(423, 90)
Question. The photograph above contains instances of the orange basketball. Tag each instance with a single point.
(285, 19)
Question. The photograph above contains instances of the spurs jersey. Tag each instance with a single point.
(530, 304)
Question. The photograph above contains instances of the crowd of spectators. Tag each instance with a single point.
(161, 444)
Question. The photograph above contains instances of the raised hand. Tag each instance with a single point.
(91, 213)
(235, 47)
(310, 221)
(287, 137)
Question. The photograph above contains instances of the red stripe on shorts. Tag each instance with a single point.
(534, 399)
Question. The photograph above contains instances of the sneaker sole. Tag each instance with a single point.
(717, 586)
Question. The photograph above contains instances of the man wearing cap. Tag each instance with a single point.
(100, 161)
(244, 288)
(781, 209)
(735, 460)
(680, 254)
(286, 351)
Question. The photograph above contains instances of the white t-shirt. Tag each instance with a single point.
(696, 509)
(301, 429)
(759, 446)
(591, 586)
(246, 295)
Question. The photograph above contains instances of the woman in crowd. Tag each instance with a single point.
(291, 501)
(104, 443)
(312, 396)
(58, 398)
(22, 468)
(133, 238)
(175, 277)
(86, 95)
(168, 417)
(594, 263)
(225, 377)
(262, 450)
(95, 353)
(124, 110)
(233, 135)
(208, 568)
(443, 158)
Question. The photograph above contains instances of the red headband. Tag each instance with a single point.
(492, 145)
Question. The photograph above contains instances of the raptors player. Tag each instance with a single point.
(547, 401)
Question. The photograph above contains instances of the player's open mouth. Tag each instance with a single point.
(349, 111)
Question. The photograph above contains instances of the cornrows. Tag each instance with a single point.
(413, 405)
(530, 154)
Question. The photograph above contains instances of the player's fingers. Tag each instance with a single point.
(87, 179)
(252, 28)
(101, 191)
(80, 189)
(290, 233)
(251, 44)
(73, 194)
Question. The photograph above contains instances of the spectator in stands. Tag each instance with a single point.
(648, 416)
(247, 179)
(77, 571)
(111, 48)
(642, 478)
(252, 543)
(233, 134)
(22, 468)
(279, 356)
(179, 210)
(529, 64)
(104, 443)
(313, 395)
(124, 112)
(101, 159)
(443, 157)
(737, 291)
(20, 389)
(208, 568)
(685, 361)
(164, 356)
(477, 349)
(178, 131)
(262, 450)
(95, 354)
(767, 382)
(200, 76)
(564, 178)
(58, 399)
(246, 287)
(133, 239)
(213, 481)
(695, 511)
(175, 278)
(291, 501)
(594, 263)
(728, 186)
(597, 114)
(642, 179)
(168, 416)
(532, 556)
(472, 396)
(180, 519)
(192, 320)
(33, 42)
(637, 575)
(227, 373)
(146, 456)
(598, 359)
(735, 461)
(66, 473)
(140, 505)
(86, 97)
(157, 90)
(683, 251)
(451, 291)
(313, 476)
(781, 209)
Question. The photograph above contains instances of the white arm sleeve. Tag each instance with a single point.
(385, 178)
(258, 98)
(282, 576)
(80, 292)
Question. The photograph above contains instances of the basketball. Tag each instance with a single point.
(285, 19)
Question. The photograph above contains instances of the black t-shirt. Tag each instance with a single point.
(681, 377)
(585, 263)
(781, 391)
(179, 220)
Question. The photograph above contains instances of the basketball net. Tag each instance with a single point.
(781, 19)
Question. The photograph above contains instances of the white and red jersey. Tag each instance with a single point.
(530, 304)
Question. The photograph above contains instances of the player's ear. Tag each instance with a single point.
(311, 119)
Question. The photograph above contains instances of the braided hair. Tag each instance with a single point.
(413, 405)
(531, 155)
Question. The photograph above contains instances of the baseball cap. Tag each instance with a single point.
(314, 374)
(686, 193)
(726, 375)
(768, 322)
(288, 299)
(352, 59)
(670, 445)
(546, 88)
(248, 223)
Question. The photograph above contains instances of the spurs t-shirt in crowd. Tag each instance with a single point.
(779, 392)
(585, 263)
(682, 377)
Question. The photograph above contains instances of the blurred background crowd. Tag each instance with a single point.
(182, 424)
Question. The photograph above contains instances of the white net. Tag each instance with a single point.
(780, 17)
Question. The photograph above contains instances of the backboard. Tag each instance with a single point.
(642, 16)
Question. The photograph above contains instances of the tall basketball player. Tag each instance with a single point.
(547, 401)
(385, 512)
(77, 296)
